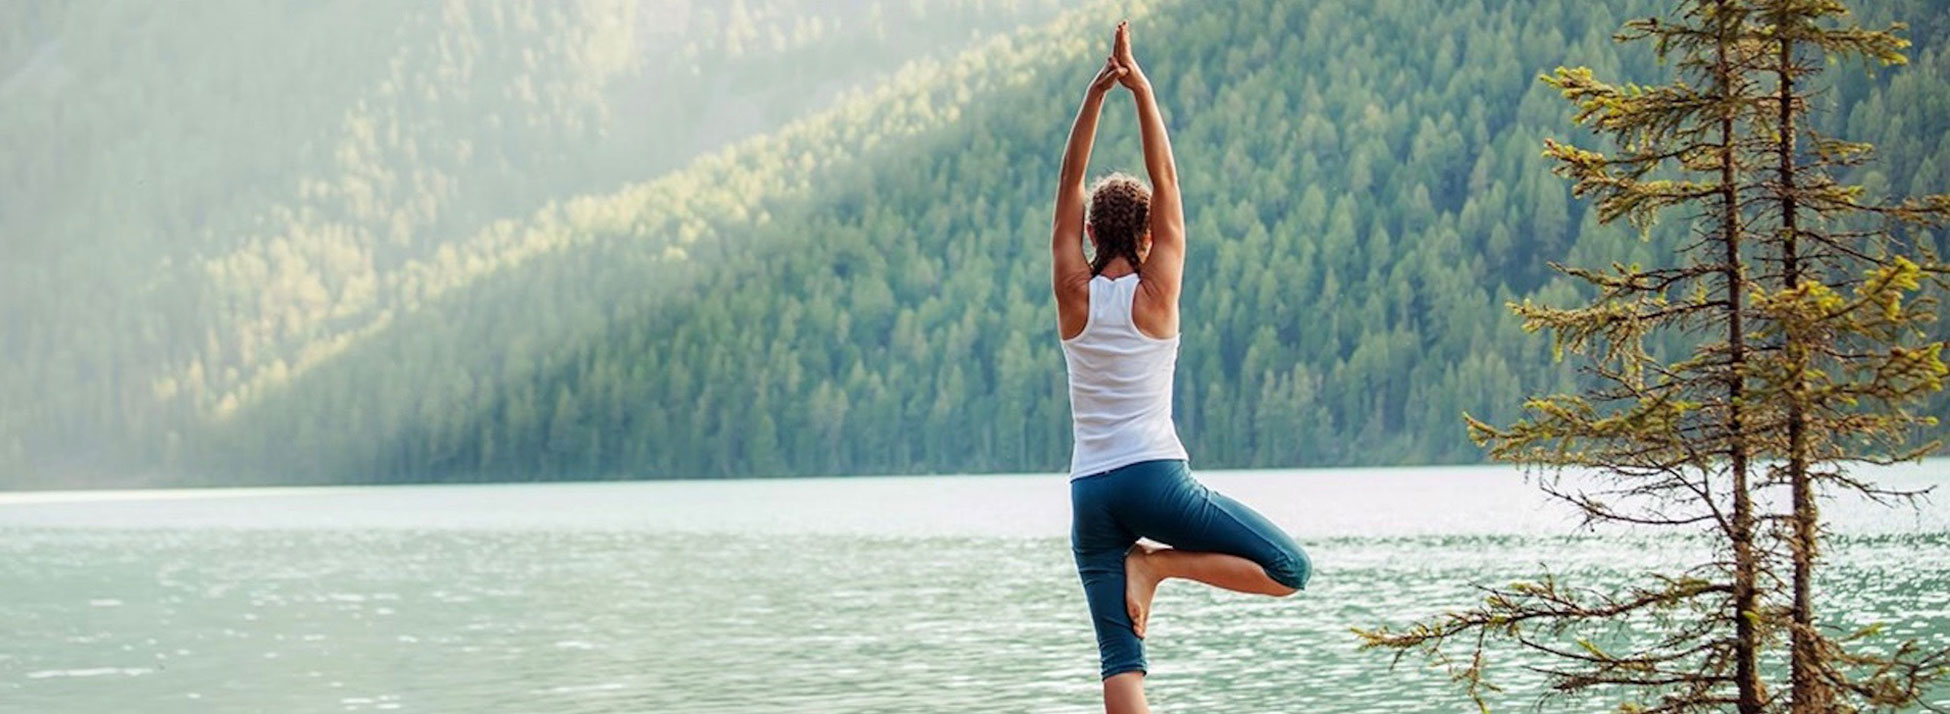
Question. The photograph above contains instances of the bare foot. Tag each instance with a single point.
(1140, 584)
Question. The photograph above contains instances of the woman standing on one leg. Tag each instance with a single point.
(1118, 319)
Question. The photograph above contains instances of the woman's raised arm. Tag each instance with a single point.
(1164, 267)
(1070, 277)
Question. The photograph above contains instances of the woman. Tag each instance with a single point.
(1117, 315)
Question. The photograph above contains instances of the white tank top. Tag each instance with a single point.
(1120, 385)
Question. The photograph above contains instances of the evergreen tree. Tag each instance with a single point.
(1668, 439)
(1802, 379)
(1844, 354)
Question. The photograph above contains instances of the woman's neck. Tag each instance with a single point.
(1118, 267)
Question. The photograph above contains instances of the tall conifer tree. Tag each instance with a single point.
(1844, 354)
(1790, 379)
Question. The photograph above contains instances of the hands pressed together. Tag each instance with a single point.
(1120, 67)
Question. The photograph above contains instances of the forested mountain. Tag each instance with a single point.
(861, 290)
(199, 200)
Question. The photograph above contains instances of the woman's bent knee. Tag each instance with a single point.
(1291, 568)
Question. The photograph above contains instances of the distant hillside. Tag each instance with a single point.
(865, 290)
(199, 199)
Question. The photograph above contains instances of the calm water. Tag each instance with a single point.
(828, 595)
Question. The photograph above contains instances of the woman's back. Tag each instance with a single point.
(1120, 385)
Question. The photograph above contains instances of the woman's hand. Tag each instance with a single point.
(1132, 77)
(1107, 77)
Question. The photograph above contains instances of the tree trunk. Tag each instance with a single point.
(1747, 636)
(1809, 695)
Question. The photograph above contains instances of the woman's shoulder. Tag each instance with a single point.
(1154, 312)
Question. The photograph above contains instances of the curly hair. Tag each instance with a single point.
(1119, 214)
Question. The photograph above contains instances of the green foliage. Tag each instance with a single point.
(201, 203)
(863, 290)
(1783, 384)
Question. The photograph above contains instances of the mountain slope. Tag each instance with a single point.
(198, 202)
(866, 290)
(604, 267)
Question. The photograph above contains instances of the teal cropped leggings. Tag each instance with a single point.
(1159, 500)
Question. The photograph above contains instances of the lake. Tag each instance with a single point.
(908, 594)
